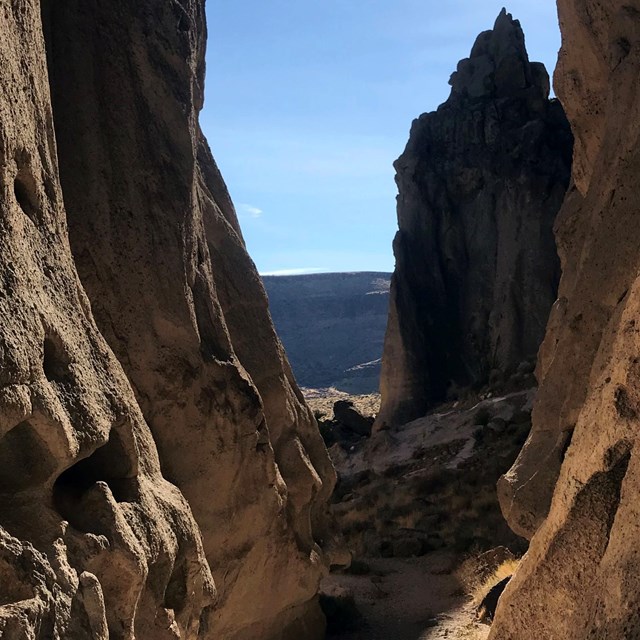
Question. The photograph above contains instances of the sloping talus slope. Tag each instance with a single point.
(191, 383)
(480, 183)
(580, 578)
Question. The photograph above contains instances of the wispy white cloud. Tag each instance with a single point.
(250, 210)
(293, 272)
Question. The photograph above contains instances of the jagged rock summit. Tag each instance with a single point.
(161, 476)
(480, 183)
(499, 66)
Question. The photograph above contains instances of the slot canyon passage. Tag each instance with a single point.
(162, 475)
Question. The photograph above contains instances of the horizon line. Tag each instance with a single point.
(309, 272)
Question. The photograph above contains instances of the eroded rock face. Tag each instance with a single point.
(580, 577)
(94, 543)
(189, 382)
(480, 184)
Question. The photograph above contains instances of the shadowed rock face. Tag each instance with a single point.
(480, 183)
(189, 382)
(580, 577)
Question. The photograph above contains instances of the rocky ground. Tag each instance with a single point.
(431, 484)
(321, 401)
(413, 503)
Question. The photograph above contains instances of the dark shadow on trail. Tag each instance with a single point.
(406, 599)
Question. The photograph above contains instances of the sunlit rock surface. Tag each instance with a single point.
(139, 467)
(580, 577)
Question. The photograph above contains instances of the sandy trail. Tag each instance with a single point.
(413, 599)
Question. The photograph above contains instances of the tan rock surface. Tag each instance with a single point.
(91, 536)
(177, 296)
(580, 578)
(106, 547)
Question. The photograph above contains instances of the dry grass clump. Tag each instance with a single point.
(504, 570)
(477, 578)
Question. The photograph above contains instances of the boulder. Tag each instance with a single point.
(348, 416)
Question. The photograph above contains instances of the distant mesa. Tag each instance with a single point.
(332, 326)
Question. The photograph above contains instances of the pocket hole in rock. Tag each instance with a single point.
(55, 362)
(620, 50)
(112, 463)
(25, 191)
(567, 442)
(175, 595)
(25, 459)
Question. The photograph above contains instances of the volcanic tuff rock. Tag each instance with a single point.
(580, 577)
(94, 543)
(332, 325)
(189, 381)
(480, 183)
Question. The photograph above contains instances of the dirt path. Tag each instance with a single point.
(413, 599)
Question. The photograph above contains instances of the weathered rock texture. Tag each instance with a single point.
(191, 382)
(94, 543)
(580, 577)
(480, 184)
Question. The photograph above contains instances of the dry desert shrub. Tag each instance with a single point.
(477, 577)
(504, 570)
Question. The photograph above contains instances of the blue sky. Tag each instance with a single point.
(309, 102)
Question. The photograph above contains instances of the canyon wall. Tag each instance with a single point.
(579, 579)
(480, 183)
(139, 361)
